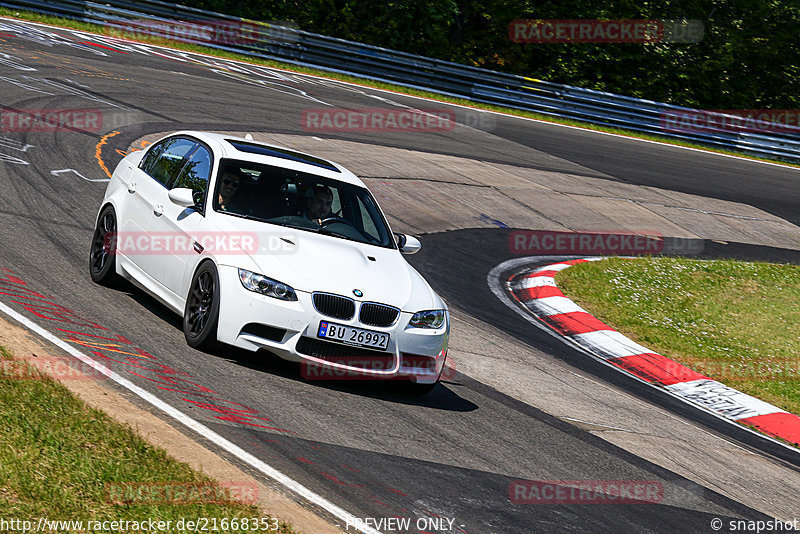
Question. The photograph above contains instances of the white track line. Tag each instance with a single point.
(187, 421)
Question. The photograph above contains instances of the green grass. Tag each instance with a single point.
(57, 457)
(735, 322)
(95, 28)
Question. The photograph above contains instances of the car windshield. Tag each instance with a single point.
(299, 200)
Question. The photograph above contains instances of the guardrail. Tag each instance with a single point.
(281, 42)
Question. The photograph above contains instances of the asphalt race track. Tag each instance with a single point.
(370, 450)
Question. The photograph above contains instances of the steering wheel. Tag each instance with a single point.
(330, 220)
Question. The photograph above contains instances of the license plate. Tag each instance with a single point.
(353, 336)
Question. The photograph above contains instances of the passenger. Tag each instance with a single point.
(227, 189)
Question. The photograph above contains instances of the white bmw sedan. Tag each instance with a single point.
(262, 247)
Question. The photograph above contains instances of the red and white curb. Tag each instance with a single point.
(536, 290)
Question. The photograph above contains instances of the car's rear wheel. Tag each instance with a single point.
(102, 260)
(201, 315)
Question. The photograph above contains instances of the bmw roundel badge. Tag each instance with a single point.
(358, 293)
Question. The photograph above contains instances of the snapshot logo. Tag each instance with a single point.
(181, 493)
(605, 31)
(546, 242)
(58, 368)
(377, 120)
(585, 491)
(140, 243)
(750, 525)
(51, 120)
(760, 121)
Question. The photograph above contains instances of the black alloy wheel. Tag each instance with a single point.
(201, 316)
(102, 261)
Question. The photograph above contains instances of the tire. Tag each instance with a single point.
(201, 315)
(102, 254)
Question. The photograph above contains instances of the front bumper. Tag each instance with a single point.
(288, 329)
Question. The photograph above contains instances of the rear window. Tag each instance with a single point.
(255, 148)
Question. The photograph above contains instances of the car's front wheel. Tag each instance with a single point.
(201, 315)
(102, 261)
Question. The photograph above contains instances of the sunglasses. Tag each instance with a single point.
(228, 181)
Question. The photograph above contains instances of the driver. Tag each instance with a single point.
(319, 205)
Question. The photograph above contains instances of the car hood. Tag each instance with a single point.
(312, 262)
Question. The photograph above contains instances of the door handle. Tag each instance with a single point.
(158, 209)
(132, 187)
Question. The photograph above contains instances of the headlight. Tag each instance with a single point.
(266, 286)
(427, 319)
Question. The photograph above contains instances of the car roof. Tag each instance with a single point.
(231, 146)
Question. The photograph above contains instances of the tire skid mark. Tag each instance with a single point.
(363, 484)
(78, 330)
(187, 421)
(102, 343)
(278, 80)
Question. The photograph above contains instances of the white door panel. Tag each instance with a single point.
(180, 228)
(183, 227)
(134, 217)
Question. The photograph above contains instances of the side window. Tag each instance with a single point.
(195, 173)
(152, 155)
(169, 161)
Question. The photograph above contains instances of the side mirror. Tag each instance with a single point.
(182, 196)
(408, 244)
